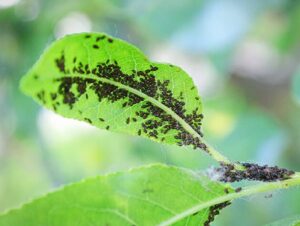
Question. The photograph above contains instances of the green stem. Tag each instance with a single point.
(250, 190)
(221, 158)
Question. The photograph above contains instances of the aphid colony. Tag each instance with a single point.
(253, 172)
(214, 211)
(154, 121)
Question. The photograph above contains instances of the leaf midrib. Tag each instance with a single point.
(182, 122)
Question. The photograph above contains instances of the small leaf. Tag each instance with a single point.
(290, 221)
(112, 85)
(143, 196)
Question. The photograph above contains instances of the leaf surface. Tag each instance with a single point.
(143, 196)
(110, 84)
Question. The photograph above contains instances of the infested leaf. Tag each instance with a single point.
(112, 85)
(143, 196)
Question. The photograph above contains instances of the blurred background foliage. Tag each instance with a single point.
(243, 56)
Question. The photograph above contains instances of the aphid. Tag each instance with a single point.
(110, 40)
(101, 119)
(95, 47)
(268, 196)
(127, 120)
(60, 63)
(87, 36)
(194, 214)
(100, 38)
(88, 120)
(107, 127)
(53, 96)
(215, 210)
(238, 189)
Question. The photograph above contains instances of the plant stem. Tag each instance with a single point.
(250, 190)
(219, 157)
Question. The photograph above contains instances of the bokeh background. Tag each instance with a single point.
(244, 56)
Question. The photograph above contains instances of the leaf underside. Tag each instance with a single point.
(110, 84)
(143, 196)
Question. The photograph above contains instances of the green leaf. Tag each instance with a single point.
(112, 85)
(290, 221)
(143, 196)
